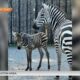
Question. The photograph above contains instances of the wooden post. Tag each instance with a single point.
(3, 44)
(3, 39)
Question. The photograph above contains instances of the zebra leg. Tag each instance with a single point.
(41, 56)
(70, 77)
(30, 59)
(47, 54)
(58, 51)
(59, 60)
(69, 59)
(27, 62)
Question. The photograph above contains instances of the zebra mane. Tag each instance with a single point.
(50, 17)
(55, 6)
(40, 12)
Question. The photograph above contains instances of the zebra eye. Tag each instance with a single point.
(42, 14)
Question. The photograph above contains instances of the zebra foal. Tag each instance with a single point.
(30, 42)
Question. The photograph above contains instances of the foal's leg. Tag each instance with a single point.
(27, 60)
(41, 56)
(47, 54)
(30, 59)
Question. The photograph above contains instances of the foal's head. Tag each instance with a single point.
(18, 39)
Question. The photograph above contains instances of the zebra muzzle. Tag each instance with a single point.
(19, 47)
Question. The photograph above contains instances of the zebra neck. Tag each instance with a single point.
(57, 17)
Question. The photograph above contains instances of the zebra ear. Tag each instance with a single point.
(13, 33)
(45, 6)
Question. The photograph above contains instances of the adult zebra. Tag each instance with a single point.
(61, 30)
(30, 42)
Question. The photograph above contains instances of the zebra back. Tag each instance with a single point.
(36, 40)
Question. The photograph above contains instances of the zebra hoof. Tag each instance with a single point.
(26, 68)
(30, 69)
(49, 67)
(57, 78)
(38, 68)
(70, 77)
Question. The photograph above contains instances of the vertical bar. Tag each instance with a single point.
(66, 6)
(36, 8)
(51, 1)
(27, 17)
(59, 3)
(19, 26)
(30, 17)
(10, 4)
(3, 39)
(43, 1)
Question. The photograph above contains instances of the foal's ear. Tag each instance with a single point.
(13, 33)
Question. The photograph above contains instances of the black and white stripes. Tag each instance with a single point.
(61, 28)
(66, 39)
